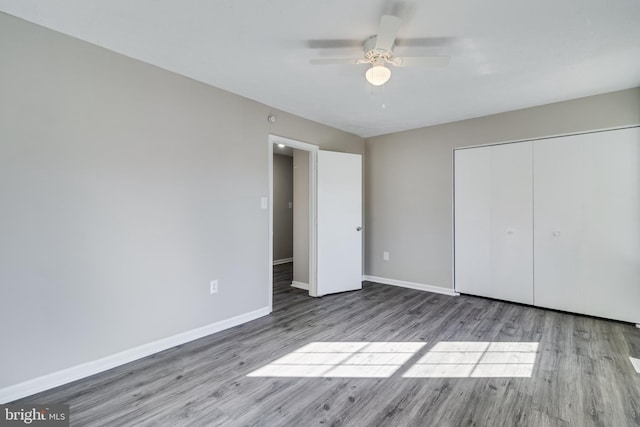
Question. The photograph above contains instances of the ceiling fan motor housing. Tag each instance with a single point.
(372, 54)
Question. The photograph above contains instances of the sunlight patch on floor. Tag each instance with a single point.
(470, 359)
(342, 359)
(636, 363)
(446, 359)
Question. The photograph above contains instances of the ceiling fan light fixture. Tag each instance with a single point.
(378, 75)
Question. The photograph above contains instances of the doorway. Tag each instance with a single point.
(303, 211)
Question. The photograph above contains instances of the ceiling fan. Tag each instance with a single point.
(378, 51)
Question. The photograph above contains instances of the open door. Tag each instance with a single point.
(339, 225)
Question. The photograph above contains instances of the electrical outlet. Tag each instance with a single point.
(213, 287)
(385, 256)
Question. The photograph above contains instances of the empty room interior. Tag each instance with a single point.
(363, 213)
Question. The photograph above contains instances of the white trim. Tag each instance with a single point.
(635, 363)
(270, 225)
(453, 219)
(294, 143)
(282, 261)
(560, 135)
(412, 285)
(313, 222)
(300, 285)
(65, 376)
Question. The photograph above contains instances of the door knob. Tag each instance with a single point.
(556, 233)
(358, 228)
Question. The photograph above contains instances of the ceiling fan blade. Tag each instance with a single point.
(387, 32)
(427, 42)
(353, 61)
(334, 44)
(421, 61)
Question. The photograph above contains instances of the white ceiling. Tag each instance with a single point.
(505, 54)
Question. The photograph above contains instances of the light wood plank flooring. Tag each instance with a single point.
(581, 375)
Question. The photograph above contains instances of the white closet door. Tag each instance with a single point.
(512, 222)
(611, 256)
(558, 216)
(473, 221)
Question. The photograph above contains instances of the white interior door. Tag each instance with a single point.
(512, 222)
(558, 223)
(473, 221)
(339, 222)
(494, 222)
(611, 253)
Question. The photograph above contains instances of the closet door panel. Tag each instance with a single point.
(512, 222)
(611, 255)
(472, 221)
(558, 216)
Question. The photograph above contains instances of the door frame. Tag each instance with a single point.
(313, 226)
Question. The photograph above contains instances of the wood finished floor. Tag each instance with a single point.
(582, 375)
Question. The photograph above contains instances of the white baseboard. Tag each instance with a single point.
(65, 376)
(300, 285)
(282, 261)
(412, 285)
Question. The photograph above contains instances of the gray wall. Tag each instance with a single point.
(301, 216)
(124, 189)
(282, 213)
(409, 179)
